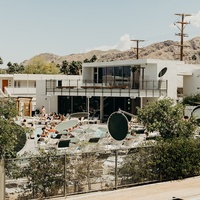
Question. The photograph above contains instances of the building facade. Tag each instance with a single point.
(127, 84)
(104, 87)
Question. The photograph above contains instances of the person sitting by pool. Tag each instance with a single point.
(44, 132)
(24, 123)
(32, 131)
(71, 135)
(46, 125)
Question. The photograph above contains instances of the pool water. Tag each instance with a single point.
(37, 131)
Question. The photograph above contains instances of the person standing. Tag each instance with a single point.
(43, 111)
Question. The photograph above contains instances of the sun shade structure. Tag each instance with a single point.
(118, 125)
(67, 124)
(79, 114)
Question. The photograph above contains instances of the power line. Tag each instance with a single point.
(137, 47)
(181, 34)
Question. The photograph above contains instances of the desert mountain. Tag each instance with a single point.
(167, 50)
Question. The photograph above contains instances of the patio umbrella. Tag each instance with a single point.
(98, 133)
(64, 132)
(89, 130)
(103, 129)
(78, 130)
(79, 114)
(129, 136)
(67, 124)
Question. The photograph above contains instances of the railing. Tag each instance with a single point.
(2, 94)
(11, 91)
(82, 173)
(142, 87)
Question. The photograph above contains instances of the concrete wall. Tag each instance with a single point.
(48, 101)
(192, 83)
(88, 73)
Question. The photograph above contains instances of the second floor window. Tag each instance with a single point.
(17, 84)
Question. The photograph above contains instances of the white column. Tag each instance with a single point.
(141, 102)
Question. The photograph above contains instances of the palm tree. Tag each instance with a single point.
(1, 61)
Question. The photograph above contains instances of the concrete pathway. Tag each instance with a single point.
(187, 189)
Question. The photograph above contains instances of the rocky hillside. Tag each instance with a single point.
(167, 50)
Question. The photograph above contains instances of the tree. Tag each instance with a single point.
(192, 100)
(8, 128)
(74, 68)
(44, 173)
(10, 134)
(1, 61)
(86, 60)
(177, 158)
(83, 168)
(93, 59)
(173, 159)
(39, 66)
(15, 68)
(64, 67)
(137, 166)
(167, 118)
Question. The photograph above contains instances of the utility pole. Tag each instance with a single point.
(181, 34)
(137, 47)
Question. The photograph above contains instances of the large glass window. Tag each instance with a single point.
(116, 74)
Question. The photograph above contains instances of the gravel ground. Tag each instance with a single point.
(187, 189)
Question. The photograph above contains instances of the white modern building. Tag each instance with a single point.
(105, 87)
(127, 84)
(25, 87)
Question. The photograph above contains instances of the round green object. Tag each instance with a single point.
(196, 113)
(118, 126)
(21, 141)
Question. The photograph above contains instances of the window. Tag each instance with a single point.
(162, 72)
(16, 84)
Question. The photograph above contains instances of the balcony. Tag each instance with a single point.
(22, 91)
(145, 88)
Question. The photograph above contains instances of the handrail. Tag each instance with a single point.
(3, 94)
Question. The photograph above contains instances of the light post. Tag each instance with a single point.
(88, 107)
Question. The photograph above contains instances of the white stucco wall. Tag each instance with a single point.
(170, 76)
(88, 73)
(191, 83)
(48, 101)
(152, 70)
(147, 100)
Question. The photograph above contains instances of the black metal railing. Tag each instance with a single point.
(78, 86)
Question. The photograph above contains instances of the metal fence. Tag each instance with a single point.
(68, 174)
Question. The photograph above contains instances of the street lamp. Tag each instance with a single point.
(88, 106)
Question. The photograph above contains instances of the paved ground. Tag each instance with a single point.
(187, 189)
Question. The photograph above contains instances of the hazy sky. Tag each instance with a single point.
(63, 27)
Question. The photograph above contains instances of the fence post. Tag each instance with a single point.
(65, 192)
(2, 178)
(116, 175)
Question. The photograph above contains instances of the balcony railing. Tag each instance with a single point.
(117, 88)
(11, 91)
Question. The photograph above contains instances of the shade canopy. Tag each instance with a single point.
(64, 125)
(79, 114)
